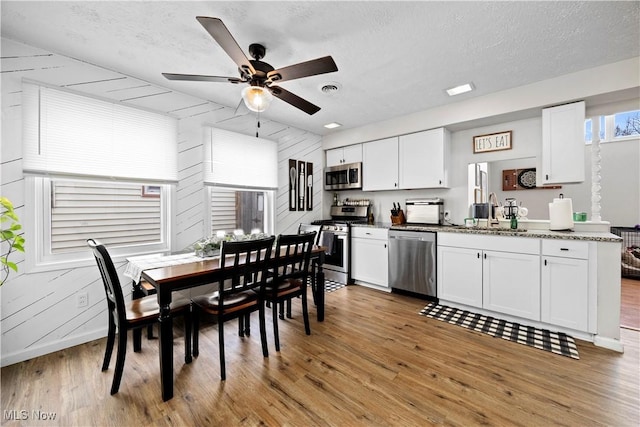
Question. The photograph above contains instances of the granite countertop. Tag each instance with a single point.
(501, 231)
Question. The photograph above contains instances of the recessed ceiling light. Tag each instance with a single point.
(468, 87)
(332, 125)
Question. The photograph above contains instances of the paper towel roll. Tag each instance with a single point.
(560, 214)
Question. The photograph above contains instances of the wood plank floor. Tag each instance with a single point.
(630, 304)
(373, 362)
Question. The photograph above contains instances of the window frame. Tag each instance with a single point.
(38, 227)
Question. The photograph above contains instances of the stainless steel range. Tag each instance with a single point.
(335, 235)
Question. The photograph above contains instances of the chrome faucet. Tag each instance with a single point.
(493, 205)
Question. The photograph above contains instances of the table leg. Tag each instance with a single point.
(165, 343)
(320, 290)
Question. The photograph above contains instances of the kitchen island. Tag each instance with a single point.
(567, 281)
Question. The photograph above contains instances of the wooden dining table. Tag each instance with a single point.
(169, 279)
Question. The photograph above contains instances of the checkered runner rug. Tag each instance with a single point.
(555, 342)
(331, 286)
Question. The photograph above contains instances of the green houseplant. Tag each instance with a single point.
(11, 240)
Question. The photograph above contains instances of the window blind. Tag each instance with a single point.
(65, 133)
(240, 161)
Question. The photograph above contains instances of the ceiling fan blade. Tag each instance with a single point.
(221, 34)
(304, 69)
(294, 100)
(200, 78)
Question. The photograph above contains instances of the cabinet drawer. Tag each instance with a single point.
(522, 245)
(565, 248)
(370, 233)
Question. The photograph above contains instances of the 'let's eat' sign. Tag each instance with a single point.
(492, 142)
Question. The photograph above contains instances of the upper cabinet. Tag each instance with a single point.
(417, 160)
(380, 164)
(424, 159)
(343, 155)
(562, 159)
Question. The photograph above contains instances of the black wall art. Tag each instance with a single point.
(300, 185)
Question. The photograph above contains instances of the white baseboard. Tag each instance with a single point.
(608, 343)
(30, 353)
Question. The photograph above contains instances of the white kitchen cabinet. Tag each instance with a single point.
(344, 155)
(424, 159)
(496, 273)
(370, 256)
(459, 275)
(380, 164)
(565, 284)
(511, 283)
(562, 157)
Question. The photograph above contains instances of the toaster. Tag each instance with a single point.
(425, 211)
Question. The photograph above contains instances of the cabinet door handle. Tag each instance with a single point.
(545, 262)
(564, 249)
(478, 254)
(385, 245)
(485, 256)
(546, 177)
(440, 182)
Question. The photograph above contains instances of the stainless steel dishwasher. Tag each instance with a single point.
(412, 262)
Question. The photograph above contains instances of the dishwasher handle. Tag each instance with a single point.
(424, 237)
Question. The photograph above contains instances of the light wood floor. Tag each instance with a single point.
(373, 362)
(630, 304)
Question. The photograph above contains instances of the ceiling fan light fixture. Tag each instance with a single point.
(467, 87)
(256, 98)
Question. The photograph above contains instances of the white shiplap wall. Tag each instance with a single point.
(38, 312)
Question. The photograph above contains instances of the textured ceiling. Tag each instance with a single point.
(394, 58)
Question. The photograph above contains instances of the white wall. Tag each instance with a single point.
(38, 311)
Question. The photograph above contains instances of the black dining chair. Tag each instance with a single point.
(245, 266)
(134, 315)
(289, 278)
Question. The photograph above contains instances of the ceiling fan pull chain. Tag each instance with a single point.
(258, 125)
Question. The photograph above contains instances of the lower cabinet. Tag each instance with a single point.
(565, 284)
(496, 273)
(546, 280)
(370, 256)
(511, 283)
(463, 285)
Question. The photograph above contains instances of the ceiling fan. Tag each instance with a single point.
(258, 74)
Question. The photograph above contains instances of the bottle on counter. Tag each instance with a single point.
(335, 199)
(514, 222)
(370, 219)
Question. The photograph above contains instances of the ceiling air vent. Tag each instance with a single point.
(330, 88)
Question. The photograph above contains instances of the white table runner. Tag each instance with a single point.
(137, 264)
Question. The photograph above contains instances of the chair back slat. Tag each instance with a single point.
(247, 264)
(110, 280)
(292, 256)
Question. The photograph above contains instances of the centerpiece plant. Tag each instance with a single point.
(210, 246)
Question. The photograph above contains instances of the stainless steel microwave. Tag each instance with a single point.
(343, 177)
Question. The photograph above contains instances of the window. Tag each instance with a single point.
(94, 169)
(241, 175)
(118, 214)
(246, 210)
(616, 126)
(626, 124)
